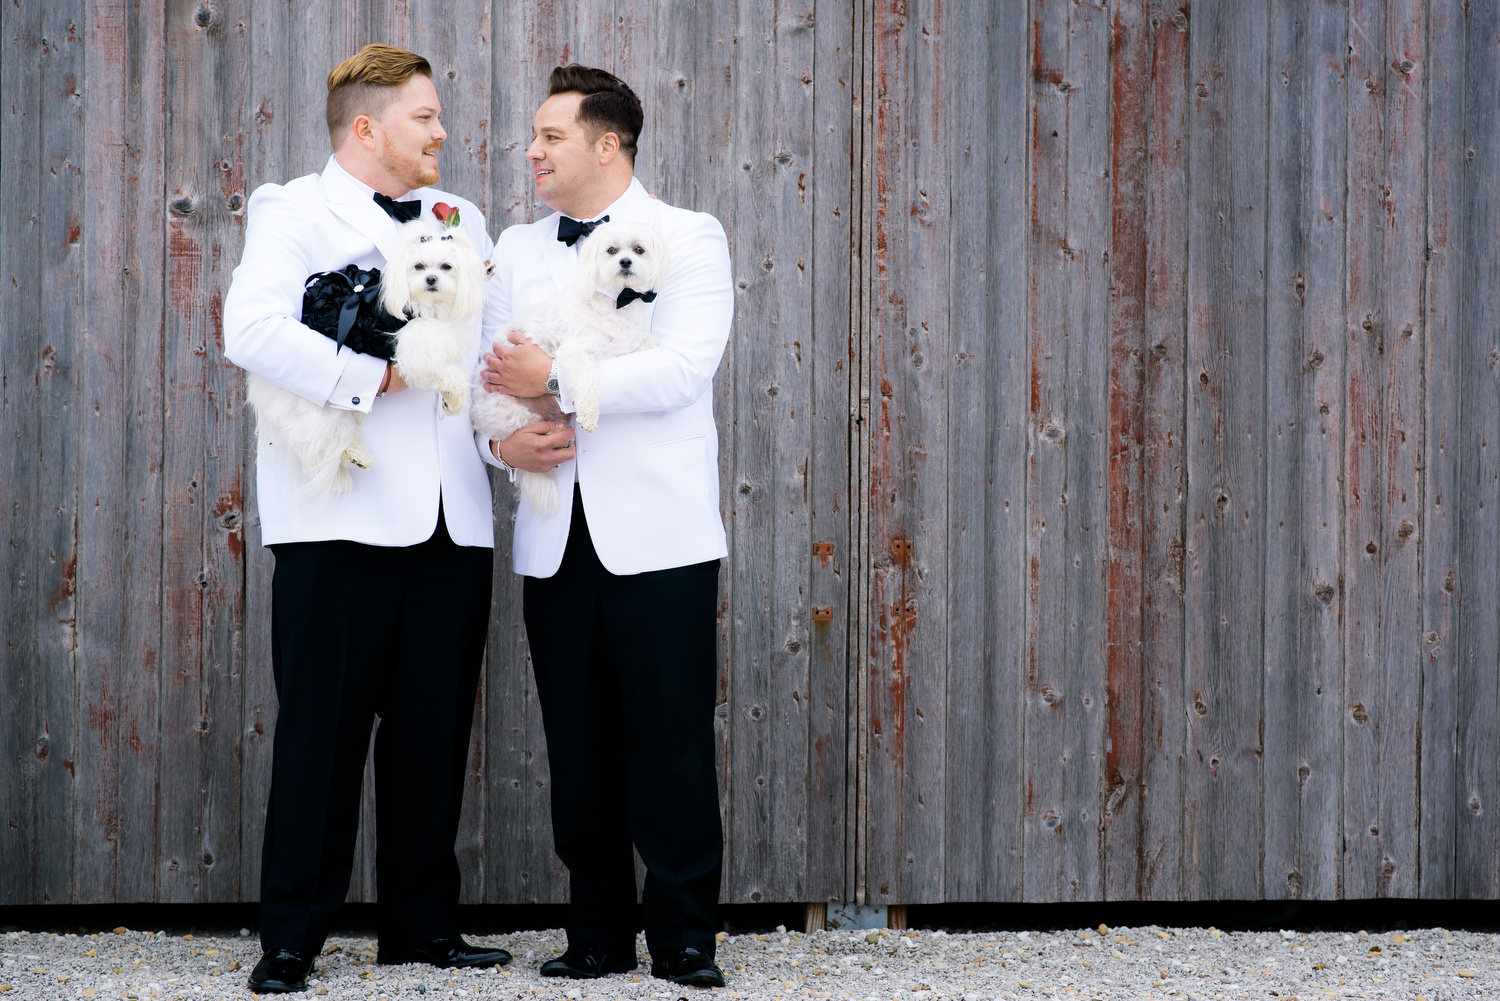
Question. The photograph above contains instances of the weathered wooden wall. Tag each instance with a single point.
(1105, 437)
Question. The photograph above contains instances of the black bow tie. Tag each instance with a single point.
(399, 211)
(629, 295)
(570, 230)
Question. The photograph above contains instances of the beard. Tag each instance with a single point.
(416, 171)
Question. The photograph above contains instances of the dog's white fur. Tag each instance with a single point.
(437, 279)
(578, 328)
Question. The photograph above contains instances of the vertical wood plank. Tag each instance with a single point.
(1304, 408)
(826, 182)
(1130, 65)
(772, 469)
(989, 90)
(58, 363)
(1164, 480)
(1478, 684)
(1443, 509)
(1069, 409)
(1225, 451)
(21, 170)
(202, 579)
(909, 480)
(1386, 207)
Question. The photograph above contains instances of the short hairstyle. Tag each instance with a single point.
(364, 84)
(608, 104)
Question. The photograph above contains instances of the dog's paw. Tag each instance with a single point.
(646, 343)
(588, 417)
(359, 456)
(455, 401)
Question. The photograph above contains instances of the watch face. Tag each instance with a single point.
(553, 387)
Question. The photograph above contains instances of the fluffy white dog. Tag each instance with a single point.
(578, 328)
(437, 280)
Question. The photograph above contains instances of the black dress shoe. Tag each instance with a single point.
(689, 967)
(280, 972)
(588, 962)
(448, 953)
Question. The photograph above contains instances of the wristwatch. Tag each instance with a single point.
(552, 384)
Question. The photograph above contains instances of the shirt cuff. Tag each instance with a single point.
(564, 401)
(359, 383)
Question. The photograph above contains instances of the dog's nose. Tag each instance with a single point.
(624, 262)
(432, 281)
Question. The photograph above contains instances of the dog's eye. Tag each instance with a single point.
(447, 267)
(424, 239)
(640, 250)
(448, 237)
(612, 251)
(419, 266)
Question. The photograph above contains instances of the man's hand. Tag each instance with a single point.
(537, 448)
(516, 367)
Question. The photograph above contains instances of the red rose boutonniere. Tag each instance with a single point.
(446, 214)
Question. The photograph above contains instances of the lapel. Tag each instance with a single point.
(351, 204)
(562, 260)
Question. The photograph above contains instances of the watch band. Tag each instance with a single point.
(553, 386)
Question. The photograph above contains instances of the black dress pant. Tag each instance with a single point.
(357, 631)
(625, 673)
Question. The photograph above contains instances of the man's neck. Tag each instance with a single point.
(597, 201)
(370, 174)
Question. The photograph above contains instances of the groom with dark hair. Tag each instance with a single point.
(621, 589)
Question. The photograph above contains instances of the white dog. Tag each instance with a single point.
(437, 280)
(578, 328)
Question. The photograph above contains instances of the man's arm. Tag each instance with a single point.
(542, 445)
(261, 332)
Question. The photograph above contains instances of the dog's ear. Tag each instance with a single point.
(588, 261)
(469, 279)
(395, 286)
(662, 261)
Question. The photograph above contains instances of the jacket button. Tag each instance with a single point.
(356, 401)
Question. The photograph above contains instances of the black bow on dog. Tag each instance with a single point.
(629, 295)
(569, 230)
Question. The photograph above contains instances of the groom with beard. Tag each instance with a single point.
(380, 598)
(621, 588)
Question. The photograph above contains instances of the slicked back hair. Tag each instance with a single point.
(365, 83)
(608, 105)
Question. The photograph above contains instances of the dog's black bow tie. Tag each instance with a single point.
(570, 230)
(399, 211)
(629, 295)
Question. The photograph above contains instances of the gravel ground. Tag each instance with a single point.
(1150, 962)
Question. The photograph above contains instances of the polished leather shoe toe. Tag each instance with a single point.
(689, 967)
(280, 972)
(447, 953)
(588, 962)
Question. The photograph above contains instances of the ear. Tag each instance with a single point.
(470, 290)
(363, 129)
(588, 263)
(663, 259)
(607, 148)
(395, 291)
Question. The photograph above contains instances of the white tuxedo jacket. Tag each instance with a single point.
(650, 471)
(324, 222)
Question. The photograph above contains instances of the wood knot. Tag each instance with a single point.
(756, 712)
(1317, 359)
(1051, 820)
(1324, 592)
(1359, 714)
(180, 206)
(1371, 548)
(1303, 773)
(1202, 90)
(235, 202)
(203, 16)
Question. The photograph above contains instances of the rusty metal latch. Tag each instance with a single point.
(822, 613)
(901, 550)
(823, 549)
